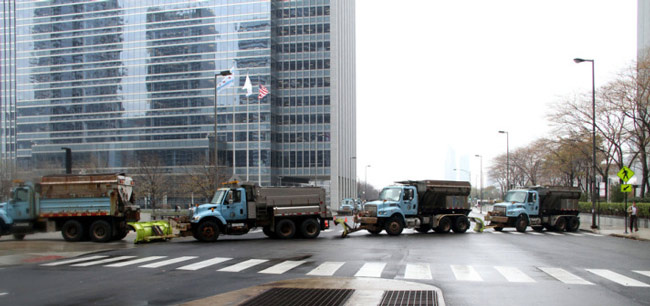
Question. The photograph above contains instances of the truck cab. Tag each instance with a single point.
(519, 202)
(395, 201)
(20, 208)
(228, 205)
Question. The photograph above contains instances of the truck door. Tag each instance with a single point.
(532, 207)
(234, 208)
(410, 206)
(22, 204)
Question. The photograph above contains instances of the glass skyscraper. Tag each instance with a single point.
(119, 81)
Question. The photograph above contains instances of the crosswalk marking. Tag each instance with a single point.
(102, 261)
(495, 232)
(646, 273)
(282, 267)
(536, 234)
(592, 234)
(514, 275)
(371, 269)
(135, 261)
(575, 234)
(618, 278)
(554, 234)
(515, 233)
(466, 273)
(203, 264)
(418, 271)
(243, 265)
(326, 269)
(168, 262)
(564, 276)
(65, 262)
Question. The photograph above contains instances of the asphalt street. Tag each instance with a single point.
(487, 268)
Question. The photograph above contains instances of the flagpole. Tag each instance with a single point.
(259, 140)
(247, 141)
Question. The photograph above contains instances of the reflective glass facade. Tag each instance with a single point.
(123, 80)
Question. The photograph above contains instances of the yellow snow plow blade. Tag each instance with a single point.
(150, 231)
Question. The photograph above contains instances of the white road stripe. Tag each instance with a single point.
(536, 234)
(495, 232)
(327, 268)
(514, 275)
(243, 265)
(592, 234)
(3, 293)
(564, 276)
(418, 271)
(618, 278)
(554, 234)
(168, 262)
(371, 269)
(58, 263)
(203, 264)
(466, 273)
(646, 273)
(575, 234)
(282, 267)
(135, 261)
(515, 233)
(103, 261)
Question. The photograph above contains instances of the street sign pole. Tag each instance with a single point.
(625, 212)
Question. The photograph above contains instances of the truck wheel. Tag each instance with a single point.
(538, 228)
(423, 228)
(285, 229)
(560, 224)
(208, 231)
(72, 230)
(498, 228)
(461, 225)
(309, 228)
(394, 226)
(573, 225)
(267, 231)
(121, 234)
(375, 231)
(19, 236)
(101, 231)
(444, 225)
(521, 224)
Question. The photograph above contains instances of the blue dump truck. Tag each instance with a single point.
(552, 207)
(93, 207)
(281, 212)
(423, 205)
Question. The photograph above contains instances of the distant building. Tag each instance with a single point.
(119, 81)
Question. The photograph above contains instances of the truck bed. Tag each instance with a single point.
(74, 207)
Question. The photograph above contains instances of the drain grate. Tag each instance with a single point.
(300, 297)
(409, 298)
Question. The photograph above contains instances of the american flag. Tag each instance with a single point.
(263, 92)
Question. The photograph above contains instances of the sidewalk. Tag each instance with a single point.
(585, 225)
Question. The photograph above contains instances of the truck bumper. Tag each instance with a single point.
(496, 219)
(367, 220)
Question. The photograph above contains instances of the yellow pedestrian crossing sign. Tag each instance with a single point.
(626, 188)
(625, 174)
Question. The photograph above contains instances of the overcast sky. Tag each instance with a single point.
(437, 80)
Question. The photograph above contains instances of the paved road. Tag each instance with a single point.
(488, 268)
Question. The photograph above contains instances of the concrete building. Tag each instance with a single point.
(122, 81)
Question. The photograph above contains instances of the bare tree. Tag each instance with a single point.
(204, 180)
(151, 179)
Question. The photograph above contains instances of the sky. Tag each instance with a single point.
(437, 80)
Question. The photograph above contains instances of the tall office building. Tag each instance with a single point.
(119, 81)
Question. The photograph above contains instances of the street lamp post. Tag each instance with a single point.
(216, 156)
(481, 196)
(507, 158)
(365, 187)
(593, 139)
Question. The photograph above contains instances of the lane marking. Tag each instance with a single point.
(576, 234)
(466, 273)
(243, 265)
(495, 232)
(103, 261)
(371, 269)
(168, 262)
(282, 267)
(536, 234)
(58, 263)
(554, 234)
(418, 271)
(564, 276)
(327, 268)
(646, 273)
(592, 234)
(618, 278)
(515, 233)
(3, 293)
(514, 275)
(135, 261)
(203, 264)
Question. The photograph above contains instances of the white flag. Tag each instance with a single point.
(248, 86)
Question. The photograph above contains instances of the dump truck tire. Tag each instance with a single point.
(444, 225)
(560, 224)
(573, 224)
(72, 230)
(285, 229)
(267, 231)
(521, 224)
(375, 232)
(208, 231)
(461, 225)
(394, 226)
(309, 228)
(101, 231)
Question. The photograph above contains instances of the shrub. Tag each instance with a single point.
(616, 209)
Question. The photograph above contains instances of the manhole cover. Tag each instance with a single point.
(296, 296)
(410, 298)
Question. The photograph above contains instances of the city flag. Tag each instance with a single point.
(227, 80)
(263, 92)
(248, 86)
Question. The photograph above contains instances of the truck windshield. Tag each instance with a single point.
(516, 196)
(219, 196)
(390, 194)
